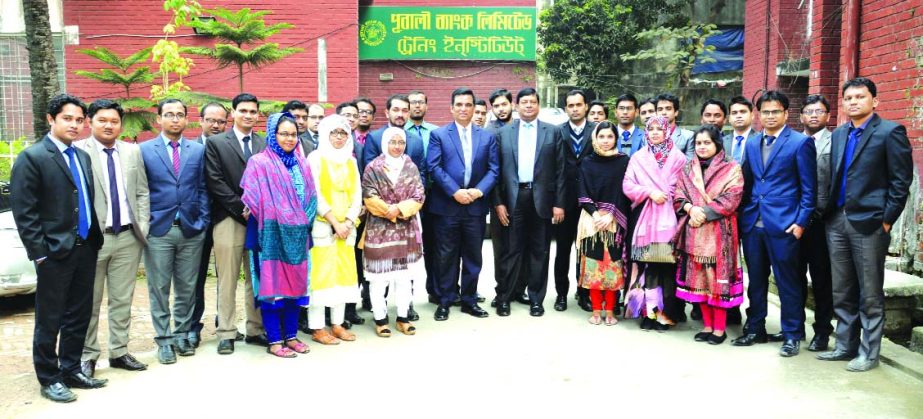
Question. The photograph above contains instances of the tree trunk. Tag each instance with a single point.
(240, 76)
(42, 66)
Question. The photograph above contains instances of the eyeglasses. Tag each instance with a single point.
(316, 117)
(173, 116)
(287, 134)
(365, 112)
(817, 112)
(775, 112)
(339, 133)
(625, 108)
(417, 102)
(211, 121)
(397, 142)
(349, 115)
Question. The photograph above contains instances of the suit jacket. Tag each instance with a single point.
(170, 194)
(683, 140)
(372, 149)
(224, 167)
(548, 179)
(445, 162)
(637, 140)
(878, 180)
(822, 144)
(135, 178)
(782, 191)
(307, 144)
(571, 160)
(45, 203)
(728, 141)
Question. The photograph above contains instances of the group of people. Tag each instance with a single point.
(323, 214)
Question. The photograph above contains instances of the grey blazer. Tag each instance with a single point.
(822, 144)
(136, 191)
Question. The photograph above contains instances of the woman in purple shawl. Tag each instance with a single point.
(279, 195)
(650, 184)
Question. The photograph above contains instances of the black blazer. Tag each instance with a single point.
(45, 203)
(572, 161)
(548, 176)
(224, 166)
(878, 180)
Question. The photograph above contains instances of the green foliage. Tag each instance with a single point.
(168, 54)
(235, 29)
(8, 152)
(584, 40)
(126, 73)
(676, 49)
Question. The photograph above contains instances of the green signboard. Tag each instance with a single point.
(447, 33)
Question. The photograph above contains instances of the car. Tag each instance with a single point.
(17, 272)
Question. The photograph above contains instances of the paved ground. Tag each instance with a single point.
(549, 366)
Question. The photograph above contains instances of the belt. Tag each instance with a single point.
(79, 241)
(525, 185)
(125, 227)
(176, 223)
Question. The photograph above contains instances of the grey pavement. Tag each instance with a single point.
(553, 366)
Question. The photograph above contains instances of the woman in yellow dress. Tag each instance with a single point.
(339, 201)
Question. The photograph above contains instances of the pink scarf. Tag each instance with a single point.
(657, 222)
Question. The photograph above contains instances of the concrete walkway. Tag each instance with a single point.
(553, 366)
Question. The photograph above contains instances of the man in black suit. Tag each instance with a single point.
(576, 136)
(52, 201)
(300, 111)
(529, 199)
(871, 173)
(225, 160)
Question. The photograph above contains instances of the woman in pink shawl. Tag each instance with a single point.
(707, 196)
(650, 184)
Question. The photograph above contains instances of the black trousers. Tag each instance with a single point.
(429, 252)
(815, 258)
(564, 236)
(526, 257)
(199, 308)
(63, 305)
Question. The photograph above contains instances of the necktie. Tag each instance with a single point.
(769, 140)
(577, 147)
(175, 145)
(114, 193)
(360, 138)
(626, 140)
(466, 147)
(83, 218)
(738, 150)
(851, 140)
(247, 152)
(314, 139)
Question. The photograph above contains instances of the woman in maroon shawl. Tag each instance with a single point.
(707, 195)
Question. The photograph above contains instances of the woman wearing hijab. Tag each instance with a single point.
(650, 183)
(707, 195)
(339, 201)
(279, 195)
(603, 222)
(393, 247)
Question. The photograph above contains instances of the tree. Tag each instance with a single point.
(676, 49)
(236, 29)
(583, 40)
(138, 117)
(43, 68)
(168, 54)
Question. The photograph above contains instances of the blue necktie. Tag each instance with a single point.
(851, 141)
(738, 152)
(769, 140)
(247, 152)
(626, 141)
(83, 219)
(114, 193)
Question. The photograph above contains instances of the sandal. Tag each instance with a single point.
(297, 346)
(611, 321)
(282, 352)
(383, 331)
(595, 319)
(324, 337)
(343, 334)
(406, 328)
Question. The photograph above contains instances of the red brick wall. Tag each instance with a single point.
(825, 53)
(293, 78)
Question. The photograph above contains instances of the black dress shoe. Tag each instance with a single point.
(58, 392)
(412, 314)
(714, 339)
(751, 338)
(481, 298)
(88, 367)
(474, 310)
(660, 327)
(166, 355)
(239, 337)
(127, 362)
(560, 303)
(346, 324)
(226, 347)
(503, 309)
(523, 299)
(584, 304)
(790, 348)
(442, 313)
(352, 316)
(259, 340)
(184, 348)
(80, 380)
(819, 343)
(702, 336)
(647, 323)
(493, 303)
(536, 310)
(696, 313)
(777, 337)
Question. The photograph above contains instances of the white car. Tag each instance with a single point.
(17, 272)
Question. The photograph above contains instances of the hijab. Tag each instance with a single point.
(393, 165)
(288, 158)
(325, 147)
(660, 151)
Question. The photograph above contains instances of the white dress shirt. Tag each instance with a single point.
(528, 142)
(464, 134)
(124, 216)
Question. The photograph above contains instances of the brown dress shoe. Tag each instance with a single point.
(323, 337)
(341, 333)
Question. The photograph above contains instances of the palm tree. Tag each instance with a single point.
(234, 30)
(138, 116)
(43, 68)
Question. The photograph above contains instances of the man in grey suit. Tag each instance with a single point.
(175, 169)
(741, 118)
(529, 198)
(225, 160)
(871, 171)
(123, 209)
(668, 107)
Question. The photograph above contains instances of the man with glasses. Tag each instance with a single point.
(226, 158)
(417, 124)
(300, 112)
(630, 137)
(315, 114)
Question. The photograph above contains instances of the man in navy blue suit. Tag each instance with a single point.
(780, 180)
(398, 110)
(463, 161)
(179, 217)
